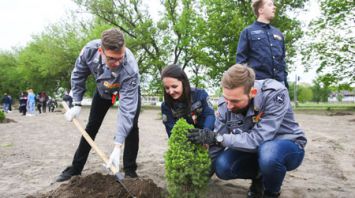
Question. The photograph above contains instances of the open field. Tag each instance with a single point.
(34, 150)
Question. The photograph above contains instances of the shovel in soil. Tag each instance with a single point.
(119, 177)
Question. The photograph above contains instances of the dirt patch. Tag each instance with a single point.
(340, 113)
(99, 186)
(7, 120)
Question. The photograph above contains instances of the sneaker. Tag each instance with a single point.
(67, 174)
(256, 189)
(131, 174)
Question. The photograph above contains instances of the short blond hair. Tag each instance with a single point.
(237, 76)
(255, 5)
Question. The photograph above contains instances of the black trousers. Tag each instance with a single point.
(99, 108)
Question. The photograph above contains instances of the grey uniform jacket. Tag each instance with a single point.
(269, 117)
(124, 81)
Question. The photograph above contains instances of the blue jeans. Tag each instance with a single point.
(272, 161)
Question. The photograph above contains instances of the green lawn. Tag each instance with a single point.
(325, 106)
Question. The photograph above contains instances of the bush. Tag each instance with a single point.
(187, 165)
(2, 116)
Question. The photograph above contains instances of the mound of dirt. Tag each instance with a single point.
(340, 114)
(100, 186)
(7, 120)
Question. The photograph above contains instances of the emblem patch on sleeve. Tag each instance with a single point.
(164, 118)
(279, 98)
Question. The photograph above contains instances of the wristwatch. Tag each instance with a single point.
(219, 138)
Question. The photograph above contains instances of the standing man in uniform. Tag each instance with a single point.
(262, 46)
(255, 136)
(116, 72)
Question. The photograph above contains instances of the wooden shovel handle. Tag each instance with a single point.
(89, 140)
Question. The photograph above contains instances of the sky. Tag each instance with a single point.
(19, 19)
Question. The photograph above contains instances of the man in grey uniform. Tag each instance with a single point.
(116, 72)
(256, 136)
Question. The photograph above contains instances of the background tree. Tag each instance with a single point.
(330, 46)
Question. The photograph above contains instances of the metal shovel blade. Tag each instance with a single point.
(119, 178)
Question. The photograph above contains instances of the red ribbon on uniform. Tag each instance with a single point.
(114, 98)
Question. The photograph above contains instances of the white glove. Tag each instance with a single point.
(115, 158)
(72, 113)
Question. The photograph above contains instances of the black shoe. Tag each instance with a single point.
(131, 174)
(271, 195)
(67, 174)
(256, 190)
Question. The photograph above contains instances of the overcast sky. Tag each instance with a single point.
(19, 19)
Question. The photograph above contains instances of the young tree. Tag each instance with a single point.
(187, 165)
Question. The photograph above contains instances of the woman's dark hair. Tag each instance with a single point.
(175, 71)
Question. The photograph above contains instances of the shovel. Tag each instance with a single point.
(119, 177)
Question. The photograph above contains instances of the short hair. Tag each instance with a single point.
(112, 39)
(237, 76)
(255, 5)
(175, 71)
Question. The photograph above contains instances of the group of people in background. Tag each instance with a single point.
(28, 101)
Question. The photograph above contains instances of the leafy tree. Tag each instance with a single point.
(305, 93)
(225, 19)
(11, 80)
(331, 43)
(321, 89)
(187, 165)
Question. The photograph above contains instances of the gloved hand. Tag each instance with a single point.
(202, 136)
(72, 113)
(115, 158)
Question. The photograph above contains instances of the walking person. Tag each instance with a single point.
(23, 103)
(116, 73)
(31, 103)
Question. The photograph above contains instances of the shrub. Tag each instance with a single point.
(187, 165)
(2, 116)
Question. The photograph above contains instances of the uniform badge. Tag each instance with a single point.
(164, 118)
(279, 98)
(133, 83)
(277, 37)
(210, 105)
(257, 118)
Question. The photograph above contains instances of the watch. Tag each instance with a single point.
(219, 138)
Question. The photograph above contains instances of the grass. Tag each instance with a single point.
(325, 106)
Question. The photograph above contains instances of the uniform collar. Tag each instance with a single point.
(261, 24)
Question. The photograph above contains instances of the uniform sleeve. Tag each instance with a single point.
(207, 111)
(276, 107)
(283, 58)
(129, 94)
(79, 75)
(243, 48)
(168, 119)
(220, 127)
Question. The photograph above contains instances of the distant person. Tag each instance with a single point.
(51, 104)
(10, 102)
(256, 136)
(116, 74)
(262, 46)
(5, 103)
(182, 101)
(31, 103)
(23, 103)
(68, 99)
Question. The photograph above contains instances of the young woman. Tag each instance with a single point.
(182, 101)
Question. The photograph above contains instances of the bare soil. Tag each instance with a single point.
(34, 151)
